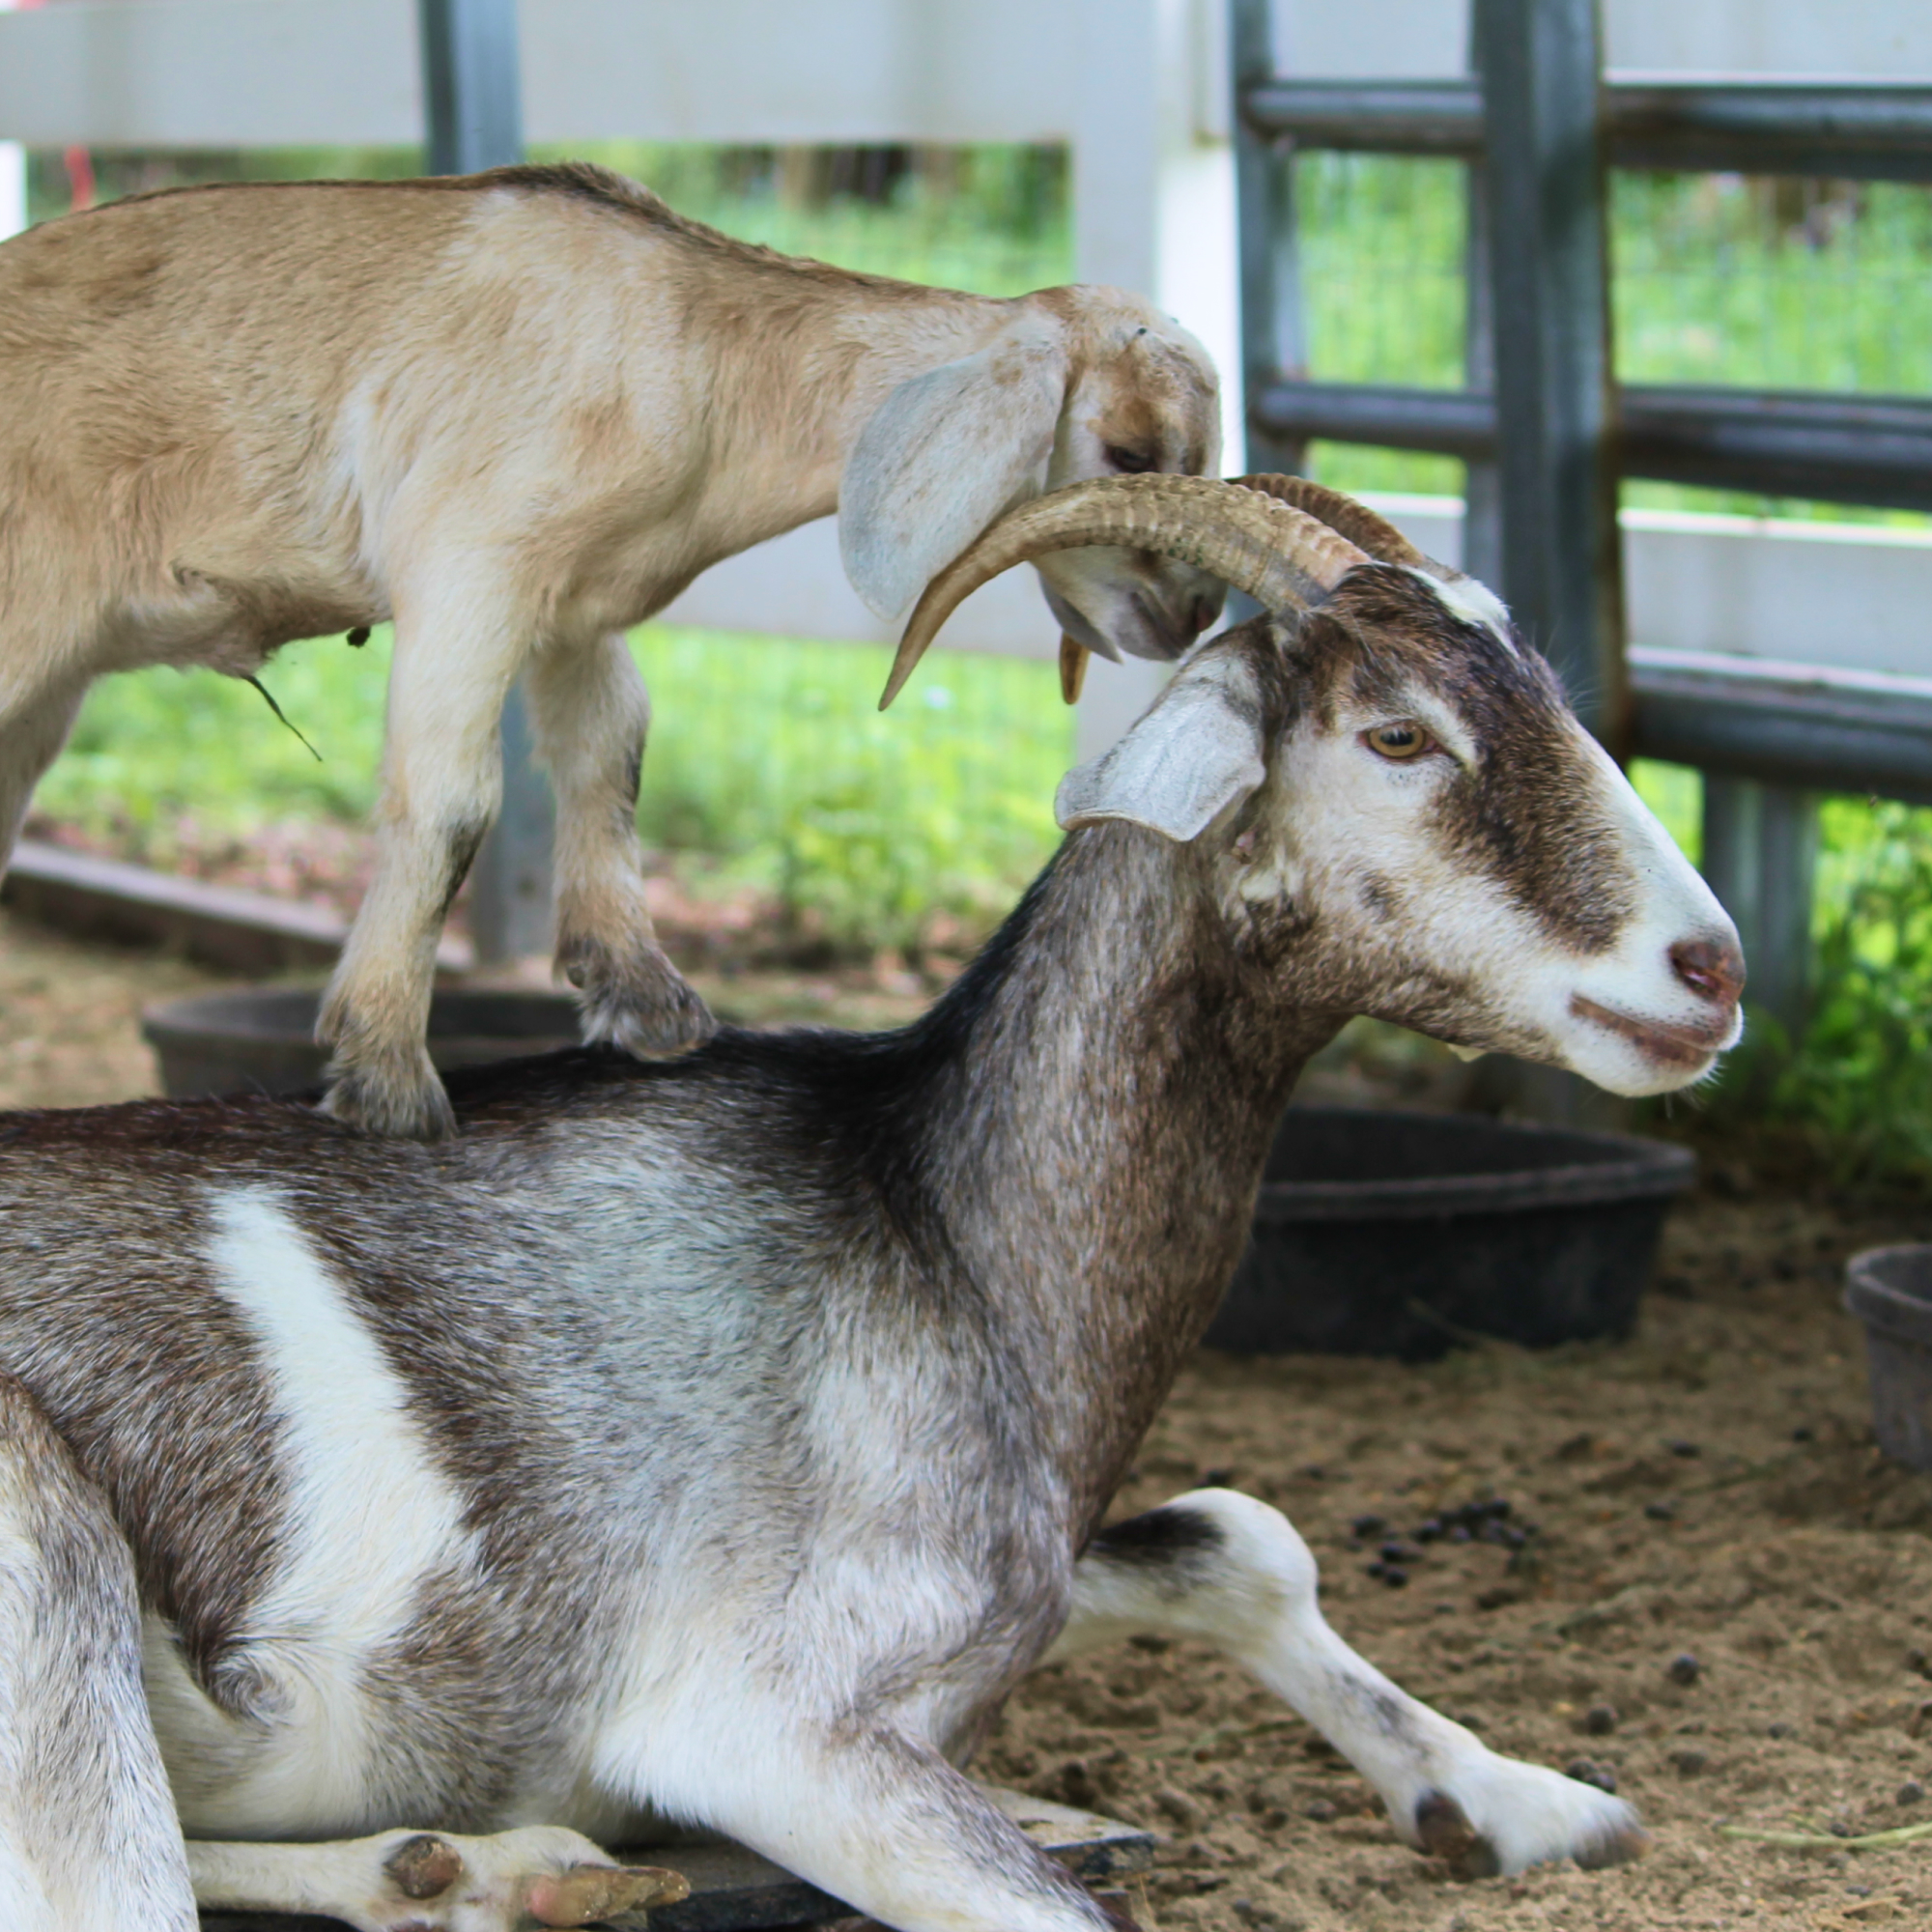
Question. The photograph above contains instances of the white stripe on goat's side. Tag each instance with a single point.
(367, 1517)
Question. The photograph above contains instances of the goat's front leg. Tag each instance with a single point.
(879, 1820)
(1225, 1568)
(431, 1881)
(591, 714)
(456, 658)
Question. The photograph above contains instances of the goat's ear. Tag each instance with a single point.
(1198, 752)
(943, 455)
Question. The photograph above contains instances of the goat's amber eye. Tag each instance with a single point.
(1131, 461)
(1406, 740)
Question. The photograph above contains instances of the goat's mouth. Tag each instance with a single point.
(1685, 1047)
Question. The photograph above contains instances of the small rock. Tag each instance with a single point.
(1366, 1526)
(1587, 1771)
(1910, 1792)
(1688, 1760)
(1077, 1782)
(1780, 1729)
(1684, 1669)
(1917, 1661)
(1664, 1510)
(1499, 1597)
(1801, 1434)
(1216, 1479)
(1157, 1646)
(1394, 1551)
(1320, 1810)
(1601, 1720)
(1179, 1807)
(1678, 1446)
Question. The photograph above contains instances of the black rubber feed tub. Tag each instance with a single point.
(1889, 1290)
(261, 1040)
(1393, 1234)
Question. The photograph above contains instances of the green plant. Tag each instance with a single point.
(1858, 1078)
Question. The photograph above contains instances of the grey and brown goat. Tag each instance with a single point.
(720, 1440)
(516, 413)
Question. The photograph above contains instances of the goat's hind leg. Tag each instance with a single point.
(431, 1881)
(88, 1833)
(591, 714)
(1224, 1568)
(32, 730)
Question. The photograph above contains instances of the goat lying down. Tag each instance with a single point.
(721, 1439)
(516, 413)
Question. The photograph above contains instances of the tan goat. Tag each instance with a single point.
(516, 413)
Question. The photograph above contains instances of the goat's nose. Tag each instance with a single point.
(1712, 969)
(1201, 613)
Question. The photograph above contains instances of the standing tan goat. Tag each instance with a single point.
(516, 413)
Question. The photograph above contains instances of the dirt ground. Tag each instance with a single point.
(1709, 1489)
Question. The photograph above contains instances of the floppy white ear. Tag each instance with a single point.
(943, 455)
(1194, 755)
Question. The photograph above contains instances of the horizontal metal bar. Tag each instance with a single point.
(1875, 132)
(1797, 128)
(1836, 448)
(1450, 422)
(1812, 731)
(1385, 117)
(1842, 449)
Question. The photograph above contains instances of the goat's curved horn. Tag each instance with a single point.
(1278, 554)
(1342, 514)
(1355, 521)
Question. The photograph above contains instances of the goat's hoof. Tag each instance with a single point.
(642, 1005)
(585, 1895)
(406, 1101)
(1507, 1815)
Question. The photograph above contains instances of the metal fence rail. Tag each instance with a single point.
(1877, 133)
(1841, 449)
(1546, 434)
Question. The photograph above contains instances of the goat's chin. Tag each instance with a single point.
(1637, 1056)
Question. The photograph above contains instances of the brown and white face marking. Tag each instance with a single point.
(1145, 400)
(1447, 847)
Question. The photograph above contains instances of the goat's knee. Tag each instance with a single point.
(1213, 1564)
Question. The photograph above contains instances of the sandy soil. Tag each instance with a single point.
(1709, 1488)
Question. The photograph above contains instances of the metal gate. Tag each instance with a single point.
(1547, 433)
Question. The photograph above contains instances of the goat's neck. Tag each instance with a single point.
(793, 391)
(1105, 1125)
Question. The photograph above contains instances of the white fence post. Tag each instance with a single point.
(1153, 210)
(13, 173)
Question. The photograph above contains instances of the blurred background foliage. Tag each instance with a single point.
(771, 764)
